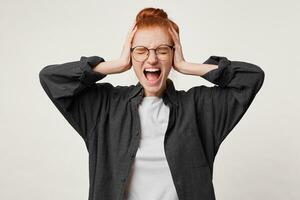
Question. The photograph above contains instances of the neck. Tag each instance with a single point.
(158, 93)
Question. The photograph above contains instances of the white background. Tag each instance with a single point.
(43, 157)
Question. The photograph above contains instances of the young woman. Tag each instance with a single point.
(149, 140)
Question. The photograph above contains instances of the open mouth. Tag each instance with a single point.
(152, 75)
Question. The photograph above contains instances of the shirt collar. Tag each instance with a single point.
(169, 96)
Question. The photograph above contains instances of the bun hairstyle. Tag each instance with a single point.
(154, 17)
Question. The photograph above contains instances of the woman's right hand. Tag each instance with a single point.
(125, 58)
(124, 62)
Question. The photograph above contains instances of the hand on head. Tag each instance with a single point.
(178, 59)
(125, 58)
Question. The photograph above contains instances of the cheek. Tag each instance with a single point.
(135, 64)
(168, 66)
(137, 67)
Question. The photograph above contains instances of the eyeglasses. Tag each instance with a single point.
(141, 53)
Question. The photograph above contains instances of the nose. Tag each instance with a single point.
(152, 58)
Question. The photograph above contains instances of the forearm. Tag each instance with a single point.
(70, 78)
(109, 67)
(196, 69)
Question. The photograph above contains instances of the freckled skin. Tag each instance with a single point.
(152, 38)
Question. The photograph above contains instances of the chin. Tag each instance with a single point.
(153, 89)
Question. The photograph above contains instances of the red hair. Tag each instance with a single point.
(154, 17)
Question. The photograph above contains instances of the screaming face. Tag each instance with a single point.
(151, 66)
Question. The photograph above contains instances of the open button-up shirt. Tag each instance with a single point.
(106, 117)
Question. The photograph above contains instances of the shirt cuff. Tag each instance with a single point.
(88, 75)
(223, 74)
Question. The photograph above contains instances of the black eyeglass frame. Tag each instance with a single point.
(171, 46)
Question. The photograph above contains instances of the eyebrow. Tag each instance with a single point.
(155, 47)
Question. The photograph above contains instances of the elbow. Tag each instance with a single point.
(44, 73)
(260, 79)
(261, 76)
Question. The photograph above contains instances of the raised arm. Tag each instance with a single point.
(223, 105)
(72, 88)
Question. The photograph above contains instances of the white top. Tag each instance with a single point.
(150, 177)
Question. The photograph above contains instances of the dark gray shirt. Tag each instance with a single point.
(107, 119)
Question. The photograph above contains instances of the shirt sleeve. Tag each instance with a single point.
(73, 89)
(236, 85)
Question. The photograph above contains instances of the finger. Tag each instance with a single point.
(172, 34)
(131, 35)
(175, 33)
(132, 26)
(175, 39)
(133, 32)
(135, 25)
(134, 29)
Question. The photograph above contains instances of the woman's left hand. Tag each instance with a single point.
(178, 59)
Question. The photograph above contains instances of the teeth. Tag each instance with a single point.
(152, 70)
